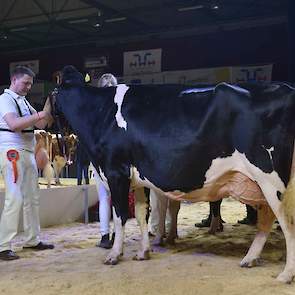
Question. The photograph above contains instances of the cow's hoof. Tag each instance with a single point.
(286, 277)
(212, 231)
(142, 255)
(158, 241)
(251, 263)
(215, 229)
(112, 259)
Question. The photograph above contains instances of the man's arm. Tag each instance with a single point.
(42, 123)
(48, 120)
(15, 123)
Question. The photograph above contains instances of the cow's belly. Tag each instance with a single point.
(232, 184)
(230, 176)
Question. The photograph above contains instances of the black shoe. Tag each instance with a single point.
(8, 255)
(40, 247)
(204, 223)
(105, 242)
(248, 221)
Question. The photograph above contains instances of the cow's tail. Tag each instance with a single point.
(48, 174)
(289, 202)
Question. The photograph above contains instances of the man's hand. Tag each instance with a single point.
(46, 116)
(47, 106)
(48, 111)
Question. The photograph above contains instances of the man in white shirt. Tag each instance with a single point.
(18, 164)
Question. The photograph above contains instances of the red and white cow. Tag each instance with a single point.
(48, 156)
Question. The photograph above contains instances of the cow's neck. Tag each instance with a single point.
(84, 112)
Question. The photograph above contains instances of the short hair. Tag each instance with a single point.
(19, 71)
(107, 80)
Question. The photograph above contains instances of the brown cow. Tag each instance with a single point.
(48, 156)
(43, 144)
(58, 160)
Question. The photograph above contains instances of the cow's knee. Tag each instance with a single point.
(266, 218)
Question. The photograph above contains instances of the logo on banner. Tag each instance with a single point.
(250, 74)
(142, 61)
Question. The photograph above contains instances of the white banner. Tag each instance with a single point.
(251, 73)
(206, 76)
(142, 61)
(95, 62)
(32, 64)
(189, 77)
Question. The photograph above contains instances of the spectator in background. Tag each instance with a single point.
(82, 162)
(107, 80)
(104, 196)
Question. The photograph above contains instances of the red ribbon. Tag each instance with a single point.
(13, 156)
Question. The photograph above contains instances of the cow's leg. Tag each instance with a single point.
(265, 222)
(56, 172)
(159, 205)
(216, 223)
(287, 224)
(58, 164)
(48, 174)
(286, 218)
(119, 187)
(173, 209)
(141, 207)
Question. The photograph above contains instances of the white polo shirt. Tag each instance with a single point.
(17, 140)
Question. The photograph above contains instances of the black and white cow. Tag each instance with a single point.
(189, 143)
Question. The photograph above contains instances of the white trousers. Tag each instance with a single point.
(159, 205)
(104, 198)
(22, 194)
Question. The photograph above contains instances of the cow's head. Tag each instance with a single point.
(67, 77)
(71, 76)
(51, 107)
(71, 143)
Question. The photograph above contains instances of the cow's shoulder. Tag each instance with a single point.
(261, 89)
(231, 88)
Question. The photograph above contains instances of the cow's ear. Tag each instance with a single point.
(87, 78)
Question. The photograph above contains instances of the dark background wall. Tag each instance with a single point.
(221, 48)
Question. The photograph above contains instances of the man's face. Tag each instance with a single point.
(21, 84)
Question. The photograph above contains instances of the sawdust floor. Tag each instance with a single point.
(199, 263)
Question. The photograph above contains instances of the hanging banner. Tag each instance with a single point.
(197, 76)
(95, 62)
(251, 73)
(142, 62)
(32, 64)
(188, 77)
